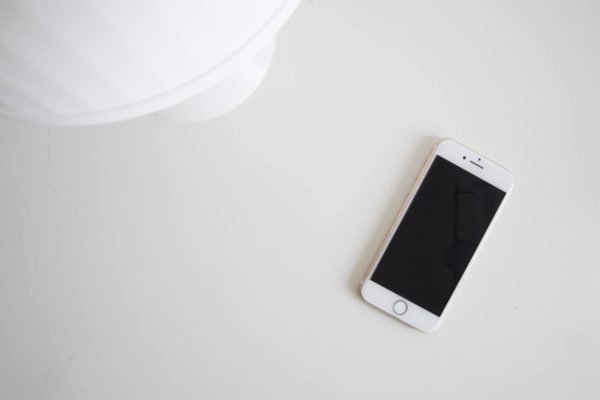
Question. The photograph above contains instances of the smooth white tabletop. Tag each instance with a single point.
(221, 260)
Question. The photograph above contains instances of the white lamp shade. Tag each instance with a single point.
(95, 61)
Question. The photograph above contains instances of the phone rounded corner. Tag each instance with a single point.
(512, 179)
(433, 328)
(445, 141)
(363, 290)
(508, 180)
(511, 187)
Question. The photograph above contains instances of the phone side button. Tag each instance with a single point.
(400, 307)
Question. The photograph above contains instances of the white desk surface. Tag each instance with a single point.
(221, 260)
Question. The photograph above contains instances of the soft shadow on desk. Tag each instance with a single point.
(422, 147)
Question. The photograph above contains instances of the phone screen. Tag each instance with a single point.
(438, 235)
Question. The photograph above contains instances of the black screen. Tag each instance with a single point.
(438, 235)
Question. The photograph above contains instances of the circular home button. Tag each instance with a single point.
(400, 307)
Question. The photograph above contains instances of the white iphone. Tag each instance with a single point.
(445, 219)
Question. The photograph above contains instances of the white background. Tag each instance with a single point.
(152, 259)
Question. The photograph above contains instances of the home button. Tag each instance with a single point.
(400, 307)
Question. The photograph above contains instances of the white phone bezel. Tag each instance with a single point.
(470, 161)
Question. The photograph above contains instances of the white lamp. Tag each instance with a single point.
(80, 62)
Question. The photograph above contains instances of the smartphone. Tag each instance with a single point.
(448, 213)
